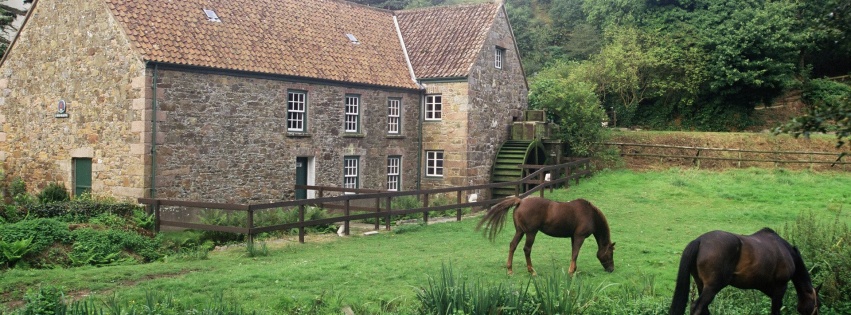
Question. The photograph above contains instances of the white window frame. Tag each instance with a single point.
(350, 172)
(296, 111)
(394, 116)
(499, 57)
(352, 120)
(434, 163)
(394, 177)
(434, 107)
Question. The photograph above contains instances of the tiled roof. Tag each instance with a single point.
(304, 38)
(443, 42)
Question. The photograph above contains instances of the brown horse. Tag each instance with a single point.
(576, 219)
(763, 261)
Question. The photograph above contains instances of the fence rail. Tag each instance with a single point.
(376, 204)
(738, 155)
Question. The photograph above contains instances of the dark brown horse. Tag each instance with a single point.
(763, 261)
(576, 219)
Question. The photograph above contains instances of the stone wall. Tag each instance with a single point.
(225, 137)
(73, 50)
(478, 112)
(497, 98)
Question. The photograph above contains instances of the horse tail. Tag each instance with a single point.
(680, 300)
(494, 219)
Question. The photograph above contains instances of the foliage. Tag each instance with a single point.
(571, 104)
(46, 300)
(257, 250)
(827, 252)
(14, 251)
(103, 247)
(551, 293)
(81, 209)
(828, 110)
(50, 300)
(43, 232)
(54, 192)
(262, 218)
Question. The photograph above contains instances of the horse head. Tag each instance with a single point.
(809, 303)
(606, 256)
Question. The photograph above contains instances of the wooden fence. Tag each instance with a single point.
(361, 204)
(739, 157)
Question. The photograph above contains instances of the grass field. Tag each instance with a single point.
(653, 215)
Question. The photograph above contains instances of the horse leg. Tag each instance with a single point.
(576, 243)
(527, 249)
(776, 298)
(707, 294)
(511, 248)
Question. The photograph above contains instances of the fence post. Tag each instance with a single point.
(389, 209)
(377, 212)
(458, 215)
(301, 224)
(156, 216)
(346, 222)
(425, 205)
(250, 226)
(697, 159)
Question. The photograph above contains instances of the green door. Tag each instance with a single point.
(301, 177)
(82, 176)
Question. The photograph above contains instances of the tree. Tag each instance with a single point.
(570, 103)
(8, 15)
(828, 110)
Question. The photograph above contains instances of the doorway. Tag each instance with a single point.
(82, 175)
(304, 176)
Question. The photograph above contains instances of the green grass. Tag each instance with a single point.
(653, 215)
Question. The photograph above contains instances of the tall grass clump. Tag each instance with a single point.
(552, 293)
(826, 248)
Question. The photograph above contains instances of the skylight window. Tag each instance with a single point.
(211, 15)
(353, 38)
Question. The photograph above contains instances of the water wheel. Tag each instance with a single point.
(511, 154)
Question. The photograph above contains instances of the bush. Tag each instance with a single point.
(43, 232)
(81, 210)
(54, 192)
(95, 247)
(827, 252)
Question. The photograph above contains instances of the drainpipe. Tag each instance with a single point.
(420, 142)
(154, 134)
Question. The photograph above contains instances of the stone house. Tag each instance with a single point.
(225, 101)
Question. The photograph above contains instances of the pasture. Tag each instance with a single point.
(652, 216)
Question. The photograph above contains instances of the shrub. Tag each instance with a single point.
(82, 210)
(54, 192)
(17, 188)
(95, 247)
(43, 232)
(47, 300)
(12, 252)
(827, 252)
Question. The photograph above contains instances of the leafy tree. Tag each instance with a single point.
(828, 110)
(571, 104)
(8, 15)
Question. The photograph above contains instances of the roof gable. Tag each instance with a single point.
(443, 42)
(283, 37)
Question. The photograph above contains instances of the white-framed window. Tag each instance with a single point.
(394, 115)
(394, 178)
(499, 57)
(434, 107)
(296, 111)
(350, 172)
(434, 163)
(352, 113)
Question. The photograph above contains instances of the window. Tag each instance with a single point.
(296, 110)
(393, 177)
(434, 163)
(434, 107)
(350, 172)
(352, 113)
(394, 106)
(499, 57)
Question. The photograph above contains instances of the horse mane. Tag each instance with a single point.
(602, 233)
